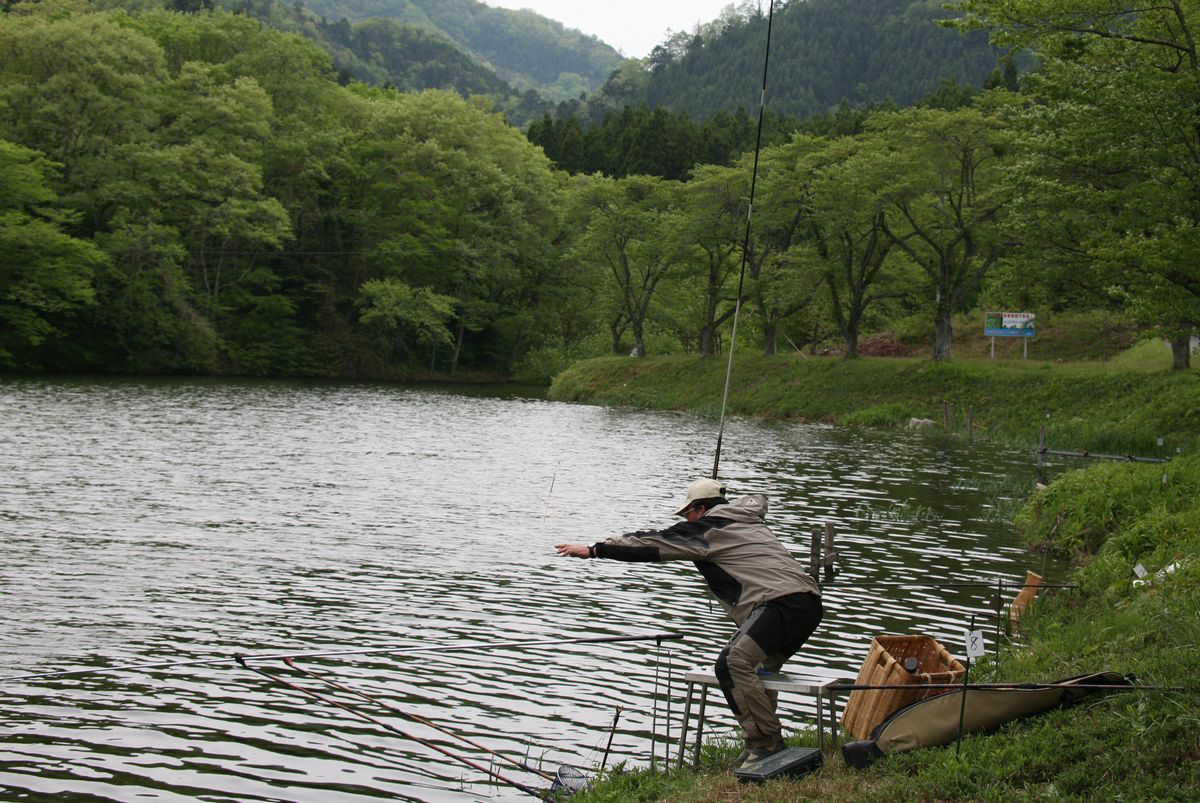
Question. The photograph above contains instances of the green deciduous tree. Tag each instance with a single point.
(943, 195)
(709, 229)
(44, 272)
(405, 318)
(628, 228)
(780, 283)
(1113, 138)
(847, 237)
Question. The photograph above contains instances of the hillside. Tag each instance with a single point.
(409, 57)
(525, 49)
(823, 52)
(826, 55)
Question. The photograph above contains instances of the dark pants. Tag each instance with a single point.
(773, 633)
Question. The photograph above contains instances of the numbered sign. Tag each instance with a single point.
(975, 645)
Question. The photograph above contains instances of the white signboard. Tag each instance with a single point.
(975, 645)
(1008, 324)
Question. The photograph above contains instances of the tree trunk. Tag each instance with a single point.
(707, 348)
(617, 331)
(850, 340)
(639, 342)
(1181, 352)
(770, 338)
(462, 331)
(942, 335)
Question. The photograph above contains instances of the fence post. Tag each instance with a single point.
(814, 555)
(830, 554)
(970, 425)
(1041, 467)
(999, 606)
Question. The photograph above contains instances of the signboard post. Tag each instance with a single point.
(1008, 324)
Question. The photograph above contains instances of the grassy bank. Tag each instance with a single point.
(1119, 406)
(1108, 517)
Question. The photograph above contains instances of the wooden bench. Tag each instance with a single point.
(812, 682)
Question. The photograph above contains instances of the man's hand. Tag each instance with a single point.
(571, 550)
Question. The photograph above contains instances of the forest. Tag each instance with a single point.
(861, 51)
(198, 193)
(526, 50)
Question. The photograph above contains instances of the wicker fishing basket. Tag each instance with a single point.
(884, 666)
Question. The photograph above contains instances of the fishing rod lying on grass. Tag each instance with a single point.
(413, 718)
(567, 778)
(241, 660)
(1015, 686)
(394, 650)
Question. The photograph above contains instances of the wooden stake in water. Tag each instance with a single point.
(814, 555)
(830, 556)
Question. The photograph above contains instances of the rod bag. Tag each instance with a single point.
(934, 721)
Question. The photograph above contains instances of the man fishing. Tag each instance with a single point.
(774, 603)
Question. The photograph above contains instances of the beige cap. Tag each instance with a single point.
(701, 489)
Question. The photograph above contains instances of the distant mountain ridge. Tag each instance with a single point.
(525, 49)
(825, 53)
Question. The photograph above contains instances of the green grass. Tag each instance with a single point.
(1109, 517)
(1070, 336)
(1116, 407)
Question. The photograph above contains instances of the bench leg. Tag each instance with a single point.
(700, 726)
(833, 721)
(821, 720)
(687, 717)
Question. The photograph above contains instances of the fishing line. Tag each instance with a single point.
(416, 718)
(393, 729)
(553, 477)
(405, 649)
(737, 308)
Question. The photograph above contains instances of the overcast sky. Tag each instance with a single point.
(631, 26)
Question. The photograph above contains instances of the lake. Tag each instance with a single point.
(186, 521)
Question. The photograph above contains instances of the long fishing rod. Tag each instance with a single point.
(416, 718)
(393, 729)
(1015, 686)
(336, 653)
(737, 308)
(1008, 586)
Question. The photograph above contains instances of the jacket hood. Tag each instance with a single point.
(751, 508)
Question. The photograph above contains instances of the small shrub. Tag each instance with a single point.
(885, 345)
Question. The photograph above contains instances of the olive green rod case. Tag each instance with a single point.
(934, 721)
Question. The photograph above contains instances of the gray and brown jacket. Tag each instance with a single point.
(742, 561)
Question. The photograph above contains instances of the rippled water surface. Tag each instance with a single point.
(146, 521)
